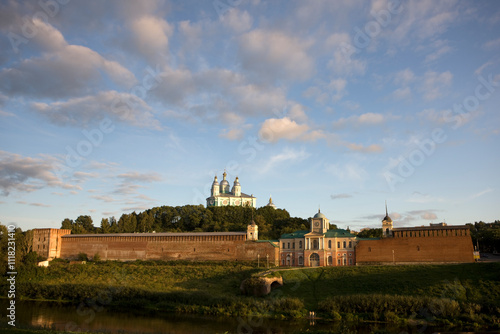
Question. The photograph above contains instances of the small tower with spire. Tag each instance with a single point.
(386, 224)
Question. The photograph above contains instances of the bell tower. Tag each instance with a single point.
(386, 224)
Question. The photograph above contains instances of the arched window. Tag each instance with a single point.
(329, 244)
(350, 244)
(300, 244)
(344, 243)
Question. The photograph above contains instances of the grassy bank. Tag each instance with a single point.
(467, 293)
(464, 295)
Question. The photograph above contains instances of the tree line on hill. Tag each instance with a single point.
(272, 222)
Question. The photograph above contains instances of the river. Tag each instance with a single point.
(61, 316)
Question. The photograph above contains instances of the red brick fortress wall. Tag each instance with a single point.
(169, 246)
(47, 241)
(442, 246)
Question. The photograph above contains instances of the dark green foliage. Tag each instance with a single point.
(194, 218)
(487, 236)
(370, 233)
(82, 257)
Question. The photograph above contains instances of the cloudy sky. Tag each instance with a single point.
(109, 107)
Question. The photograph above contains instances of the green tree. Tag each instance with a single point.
(113, 225)
(105, 226)
(127, 223)
(67, 224)
(83, 224)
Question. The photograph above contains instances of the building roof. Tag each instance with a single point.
(293, 235)
(337, 233)
(162, 234)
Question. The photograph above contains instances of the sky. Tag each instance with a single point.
(110, 107)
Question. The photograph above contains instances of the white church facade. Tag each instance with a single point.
(223, 195)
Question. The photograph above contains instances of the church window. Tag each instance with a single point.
(330, 260)
(338, 262)
(329, 244)
(288, 245)
(350, 244)
(300, 244)
(315, 244)
(338, 244)
(293, 245)
(283, 246)
(344, 244)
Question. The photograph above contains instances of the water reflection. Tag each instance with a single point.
(73, 318)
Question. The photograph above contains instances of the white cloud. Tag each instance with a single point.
(481, 193)
(434, 84)
(404, 77)
(441, 48)
(64, 70)
(141, 177)
(275, 55)
(344, 61)
(27, 174)
(438, 117)
(347, 171)
(121, 107)
(150, 36)
(274, 129)
(403, 93)
(492, 44)
(340, 196)
(361, 120)
(237, 20)
(232, 134)
(288, 156)
(325, 93)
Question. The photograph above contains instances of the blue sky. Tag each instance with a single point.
(116, 106)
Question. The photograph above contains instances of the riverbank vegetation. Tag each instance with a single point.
(461, 295)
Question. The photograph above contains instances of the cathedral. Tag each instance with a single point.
(222, 194)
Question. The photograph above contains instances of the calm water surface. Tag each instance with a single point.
(69, 317)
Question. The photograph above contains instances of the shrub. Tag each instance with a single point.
(82, 257)
(96, 257)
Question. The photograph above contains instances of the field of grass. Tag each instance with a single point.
(478, 283)
(374, 293)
